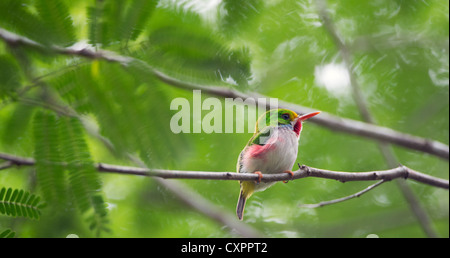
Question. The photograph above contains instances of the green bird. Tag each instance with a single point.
(272, 149)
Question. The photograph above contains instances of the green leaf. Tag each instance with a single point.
(17, 125)
(2, 193)
(60, 147)
(19, 203)
(133, 88)
(194, 56)
(47, 153)
(8, 194)
(14, 195)
(138, 12)
(56, 18)
(8, 233)
(98, 221)
(183, 46)
(16, 16)
(83, 177)
(105, 21)
(118, 21)
(239, 14)
(9, 77)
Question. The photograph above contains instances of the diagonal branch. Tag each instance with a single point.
(328, 120)
(302, 172)
(203, 205)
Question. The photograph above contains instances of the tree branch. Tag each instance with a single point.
(302, 172)
(325, 119)
(358, 194)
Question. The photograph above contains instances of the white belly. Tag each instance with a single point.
(279, 157)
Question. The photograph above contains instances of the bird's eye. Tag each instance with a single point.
(285, 116)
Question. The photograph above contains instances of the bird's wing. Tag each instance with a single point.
(239, 164)
(262, 136)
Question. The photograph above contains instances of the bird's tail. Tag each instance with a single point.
(247, 189)
(241, 205)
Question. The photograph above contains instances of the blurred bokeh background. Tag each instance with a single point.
(63, 107)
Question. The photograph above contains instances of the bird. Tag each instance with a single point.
(272, 149)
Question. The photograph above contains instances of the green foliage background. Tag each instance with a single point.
(400, 53)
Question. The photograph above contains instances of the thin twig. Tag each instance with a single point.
(358, 194)
(6, 165)
(16, 160)
(333, 122)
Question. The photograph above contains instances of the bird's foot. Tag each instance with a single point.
(259, 176)
(289, 172)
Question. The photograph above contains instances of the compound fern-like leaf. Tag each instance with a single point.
(8, 233)
(49, 168)
(83, 178)
(55, 16)
(19, 203)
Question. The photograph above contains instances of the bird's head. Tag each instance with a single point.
(277, 117)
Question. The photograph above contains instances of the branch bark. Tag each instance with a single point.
(302, 172)
(325, 119)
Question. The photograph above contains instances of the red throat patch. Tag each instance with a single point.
(298, 127)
